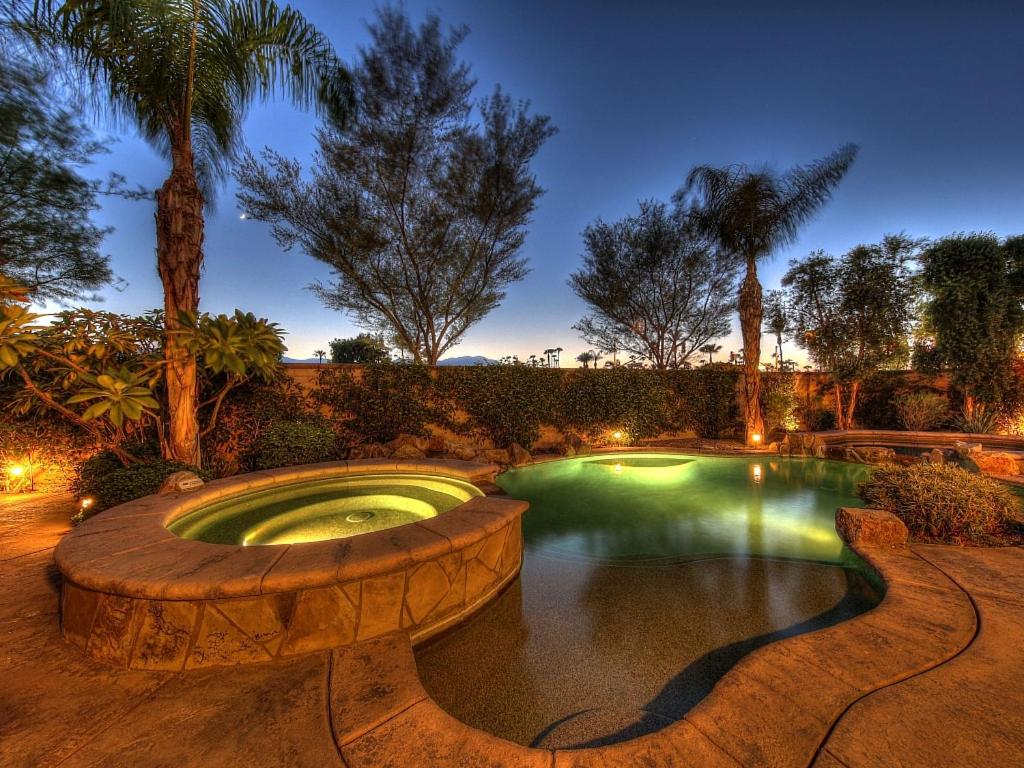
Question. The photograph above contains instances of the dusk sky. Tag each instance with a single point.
(641, 92)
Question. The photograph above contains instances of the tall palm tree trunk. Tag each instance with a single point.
(179, 249)
(750, 312)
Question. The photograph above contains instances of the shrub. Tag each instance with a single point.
(779, 402)
(876, 402)
(507, 403)
(109, 483)
(922, 411)
(983, 420)
(943, 503)
(248, 411)
(389, 399)
(286, 443)
(707, 399)
(634, 400)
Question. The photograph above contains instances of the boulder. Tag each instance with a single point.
(460, 452)
(518, 456)
(368, 451)
(496, 456)
(869, 454)
(995, 463)
(936, 456)
(870, 527)
(408, 452)
(181, 482)
(421, 444)
(966, 449)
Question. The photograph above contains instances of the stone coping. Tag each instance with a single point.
(775, 707)
(900, 438)
(128, 550)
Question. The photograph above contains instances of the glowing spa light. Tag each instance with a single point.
(618, 469)
(16, 470)
(617, 434)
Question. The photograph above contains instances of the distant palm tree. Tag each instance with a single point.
(586, 358)
(320, 355)
(751, 214)
(711, 350)
(183, 75)
(558, 357)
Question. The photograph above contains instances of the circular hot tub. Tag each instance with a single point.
(273, 564)
(318, 510)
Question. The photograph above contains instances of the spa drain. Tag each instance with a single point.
(358, 517)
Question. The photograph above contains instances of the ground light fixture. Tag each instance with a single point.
(756, 438)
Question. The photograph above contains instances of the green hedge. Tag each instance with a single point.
(508, 404)
(287, 443)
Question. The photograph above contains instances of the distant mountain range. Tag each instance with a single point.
(464, 360)
(468, 360)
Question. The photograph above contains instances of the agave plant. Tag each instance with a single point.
(982, 420)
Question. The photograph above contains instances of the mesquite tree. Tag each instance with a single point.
(853, 315)
(752, 214)
(420, 212)
(655, 290)
(183, 73)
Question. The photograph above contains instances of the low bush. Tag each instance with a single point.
(287, 443)
(944, 503)
(922, 411)
(108, 482)
(779, 402)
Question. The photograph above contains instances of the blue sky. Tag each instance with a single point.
(640, 93)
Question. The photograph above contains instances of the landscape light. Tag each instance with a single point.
(87, 502)
(756, 438)
(617, 434)
(16, 470)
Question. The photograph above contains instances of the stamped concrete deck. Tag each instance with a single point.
(346, 708)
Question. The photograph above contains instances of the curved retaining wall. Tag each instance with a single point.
(136, 595)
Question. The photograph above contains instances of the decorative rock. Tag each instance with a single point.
(995, 463)
(518, 455)
(870, 527)
(368, 451)
(936, 456)
(567, 450)
(181, 482)
(869, 454)
(420, 443)
(408, 452)
(496, 456)
(460, 452)
(966, 449)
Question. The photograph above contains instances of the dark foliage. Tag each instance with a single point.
(287, 443)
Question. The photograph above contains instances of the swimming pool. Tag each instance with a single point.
(645, 578)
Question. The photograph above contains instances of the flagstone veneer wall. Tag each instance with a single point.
(137, 596)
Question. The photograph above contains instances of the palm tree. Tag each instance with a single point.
(586, 358)
(710, 350)
(183, 73)
(751, 214)
(320, 355)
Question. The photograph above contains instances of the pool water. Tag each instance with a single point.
(324, 509)
(645, 578)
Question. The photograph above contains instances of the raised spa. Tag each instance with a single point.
(324, 509)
